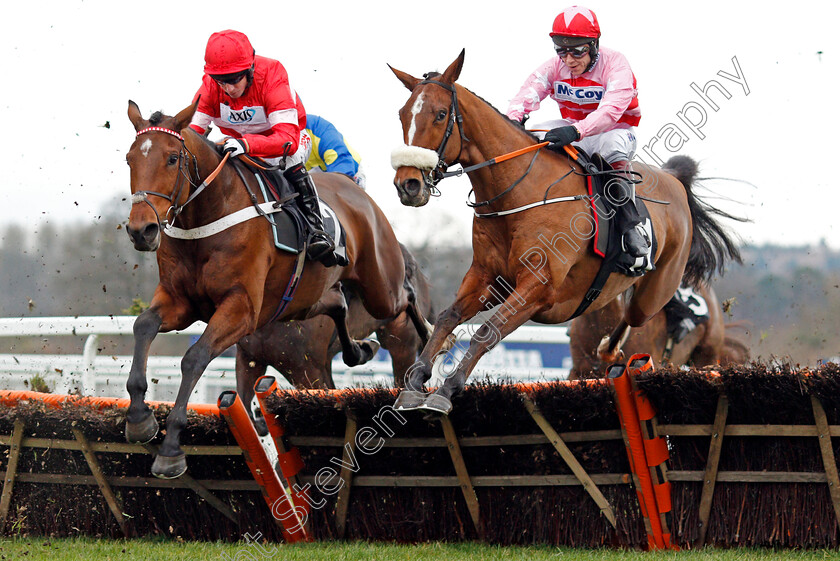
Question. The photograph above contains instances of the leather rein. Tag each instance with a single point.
(440, 171)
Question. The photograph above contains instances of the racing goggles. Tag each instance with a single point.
(577, 52)
(230, 79)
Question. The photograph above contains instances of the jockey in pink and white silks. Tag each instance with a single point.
(596, 92)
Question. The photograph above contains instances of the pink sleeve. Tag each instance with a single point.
(620, 91)
(536, 88)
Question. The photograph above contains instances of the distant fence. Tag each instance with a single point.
(531, 353)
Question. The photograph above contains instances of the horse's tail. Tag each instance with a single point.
(712, 244)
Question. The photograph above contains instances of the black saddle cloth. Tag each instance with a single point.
(289, 227)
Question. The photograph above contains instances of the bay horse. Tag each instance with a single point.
(302, 351)
(529, 263)
(235, 279)
(708, 344)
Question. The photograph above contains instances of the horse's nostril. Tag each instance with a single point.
(412, 187)
(150, 231)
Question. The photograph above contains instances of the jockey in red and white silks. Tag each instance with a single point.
(250, 99)
(267, 115)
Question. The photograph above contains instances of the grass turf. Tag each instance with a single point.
(121, 550)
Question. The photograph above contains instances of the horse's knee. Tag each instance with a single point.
(147, 324)
(448, 315)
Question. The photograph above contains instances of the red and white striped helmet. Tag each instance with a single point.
(575, 26)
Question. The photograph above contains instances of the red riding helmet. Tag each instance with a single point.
(228, 52)
(575, 26)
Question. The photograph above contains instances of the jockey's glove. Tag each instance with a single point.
(235, 146)
(562, 136)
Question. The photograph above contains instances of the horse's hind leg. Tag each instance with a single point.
(248, 371)
(334, 305)
(421, 324)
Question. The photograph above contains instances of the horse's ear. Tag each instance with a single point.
(183, 119)
(135, 117)
(451, 74)
(408, 80)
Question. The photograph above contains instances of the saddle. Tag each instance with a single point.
(606, 242)
(289, 228)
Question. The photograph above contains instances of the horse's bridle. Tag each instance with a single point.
(184, 159)
(439, 172)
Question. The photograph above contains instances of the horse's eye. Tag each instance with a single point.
(173, 159)
(440, 116)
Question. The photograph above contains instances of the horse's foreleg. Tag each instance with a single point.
(234, 318)
(467, 304)
(163, 315)
(520, 306)
(140, 423)
(609, 349)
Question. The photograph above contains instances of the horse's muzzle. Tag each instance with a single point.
(146, 237)
(412, 190)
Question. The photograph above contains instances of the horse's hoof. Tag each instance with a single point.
(169, 467)
(369, 349)
(143, 432)
(409, 400)
(437, 403)
(604, 354)
(613, 358)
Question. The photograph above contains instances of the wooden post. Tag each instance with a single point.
(570, 460)
(343, 500)
(463, 475)
(211, 499)
(828, 458)
(712, 462)
(11, 472)
(104, 487)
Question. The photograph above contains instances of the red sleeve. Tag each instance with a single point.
(208, 106)
(283, 109)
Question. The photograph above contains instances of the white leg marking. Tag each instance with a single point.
(415, 109)
(145, 147)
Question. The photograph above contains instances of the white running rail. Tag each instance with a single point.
(93, 374)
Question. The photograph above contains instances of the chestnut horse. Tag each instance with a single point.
(234, 279)
(528, 262)
(302, 351)
(707, 344)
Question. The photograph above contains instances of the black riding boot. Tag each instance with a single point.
(634, 239)
(320, 245)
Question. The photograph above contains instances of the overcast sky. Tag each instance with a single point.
(71, 66)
